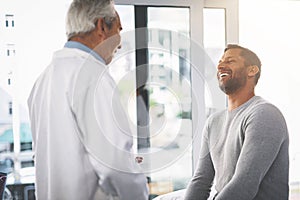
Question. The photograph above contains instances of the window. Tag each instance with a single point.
(9, 78)
(214, 41)
(170, 97)
(10, 50)
(168, 71)
(9, 20)
(156, 91)
(10, 108)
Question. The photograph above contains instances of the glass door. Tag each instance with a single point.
(152, 71)
(170, 108)
(165, 72)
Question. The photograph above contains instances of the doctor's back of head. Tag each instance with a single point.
(91, 22)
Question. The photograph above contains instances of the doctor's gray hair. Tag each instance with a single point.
(83, 15)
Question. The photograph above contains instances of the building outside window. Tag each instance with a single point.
(9, 20)
(10, 50)
(10, 108)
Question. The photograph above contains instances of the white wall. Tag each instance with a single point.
(39, 28)
(271, 29)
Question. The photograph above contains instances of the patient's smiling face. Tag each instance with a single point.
(232, 72)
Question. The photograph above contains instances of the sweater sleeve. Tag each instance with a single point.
(200, 186)
(265, 131)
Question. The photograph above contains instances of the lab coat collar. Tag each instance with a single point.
(78, 45)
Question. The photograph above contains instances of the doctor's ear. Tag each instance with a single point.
(100, 25)
(252, 70)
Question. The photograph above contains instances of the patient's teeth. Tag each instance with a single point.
(223, 74)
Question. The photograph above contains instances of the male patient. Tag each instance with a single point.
(245, 147)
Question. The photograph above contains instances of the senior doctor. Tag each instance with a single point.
(81, 137)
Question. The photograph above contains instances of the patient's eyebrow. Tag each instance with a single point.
(227, 58)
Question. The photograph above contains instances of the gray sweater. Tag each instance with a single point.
(245, 151)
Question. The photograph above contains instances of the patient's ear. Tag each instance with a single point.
(252, 70)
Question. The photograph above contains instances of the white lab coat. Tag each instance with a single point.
(80, 133)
